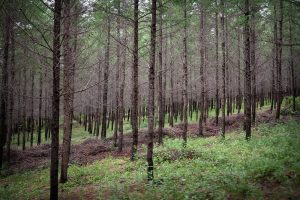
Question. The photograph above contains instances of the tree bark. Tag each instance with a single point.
(55, 102)
(4, 91)
(185, 78)
(223, 69)
(105, 87)
(135, 80)
(202, 46)
(247, 71)
(292, 64)
(151, 93)
(160, 81)
(253, 63)
(217, 67)
(121, 99)
(68, 90)
(279, 62)
(39, 131)
(117, 110)
(239, 99)
(31, 116)
(11, 122)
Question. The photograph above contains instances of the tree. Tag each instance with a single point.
(12, 80)
(160, 77)
(135, 80)
(253, 61)
(185, 77)
(121, 99)
(117, 110)
(55, 101)
(292, 63)
(68, 90)
(39, 133)
(279, 62)
(217, 66)
(247, 70)
(151, 92)
(202, 48)
(4, 91)
(105, 87)
(239, 99)
(223, 68)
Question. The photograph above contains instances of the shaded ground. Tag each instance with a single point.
(96, 149)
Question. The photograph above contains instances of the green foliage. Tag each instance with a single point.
(208, 168)
(287, 105)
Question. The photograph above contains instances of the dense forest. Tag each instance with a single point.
(149, 99)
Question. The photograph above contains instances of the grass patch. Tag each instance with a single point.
(268, 166)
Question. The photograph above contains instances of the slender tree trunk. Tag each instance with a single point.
(253, 64)
(4, 95)
(32, 117)
(68, 90)
(117, 110)
(279, 63)
(55, 102)
(151, 107)
(105, 88)
(135, 80)
(172, 104)
(217, 67)
(200, 131)
(39, 132)
(121, 99)
(239, 100)
(99, 99)
(292, 63)
(11, 122)
(160, 83)
(24, 109)
(223, 69)
(247, 71)
(185, 78)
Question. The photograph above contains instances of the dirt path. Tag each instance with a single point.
(95, 149)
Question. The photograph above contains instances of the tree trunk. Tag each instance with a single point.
(117, 110)
(247, 71)
(160, 83)
(151, 93)
(253, 64)
(105, 81)
(172, 106)
(11, 122)
(24, 109)
(223, 69)
(121, 99)
(135, 81)
(39, 132)
(200, 131)
(68, 90)
(185, 78)
(31, 117)
(279, 62)
(4, 95)
(217, 68)
(55, 102)
(239, 99)
(292, 63)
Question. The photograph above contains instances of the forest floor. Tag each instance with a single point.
(91, 150)
(266, 167)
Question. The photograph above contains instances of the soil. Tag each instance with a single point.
(95, 149)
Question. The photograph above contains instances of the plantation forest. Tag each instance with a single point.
(149, 99)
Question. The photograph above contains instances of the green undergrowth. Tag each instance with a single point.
(79, 134)
(268, 166)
